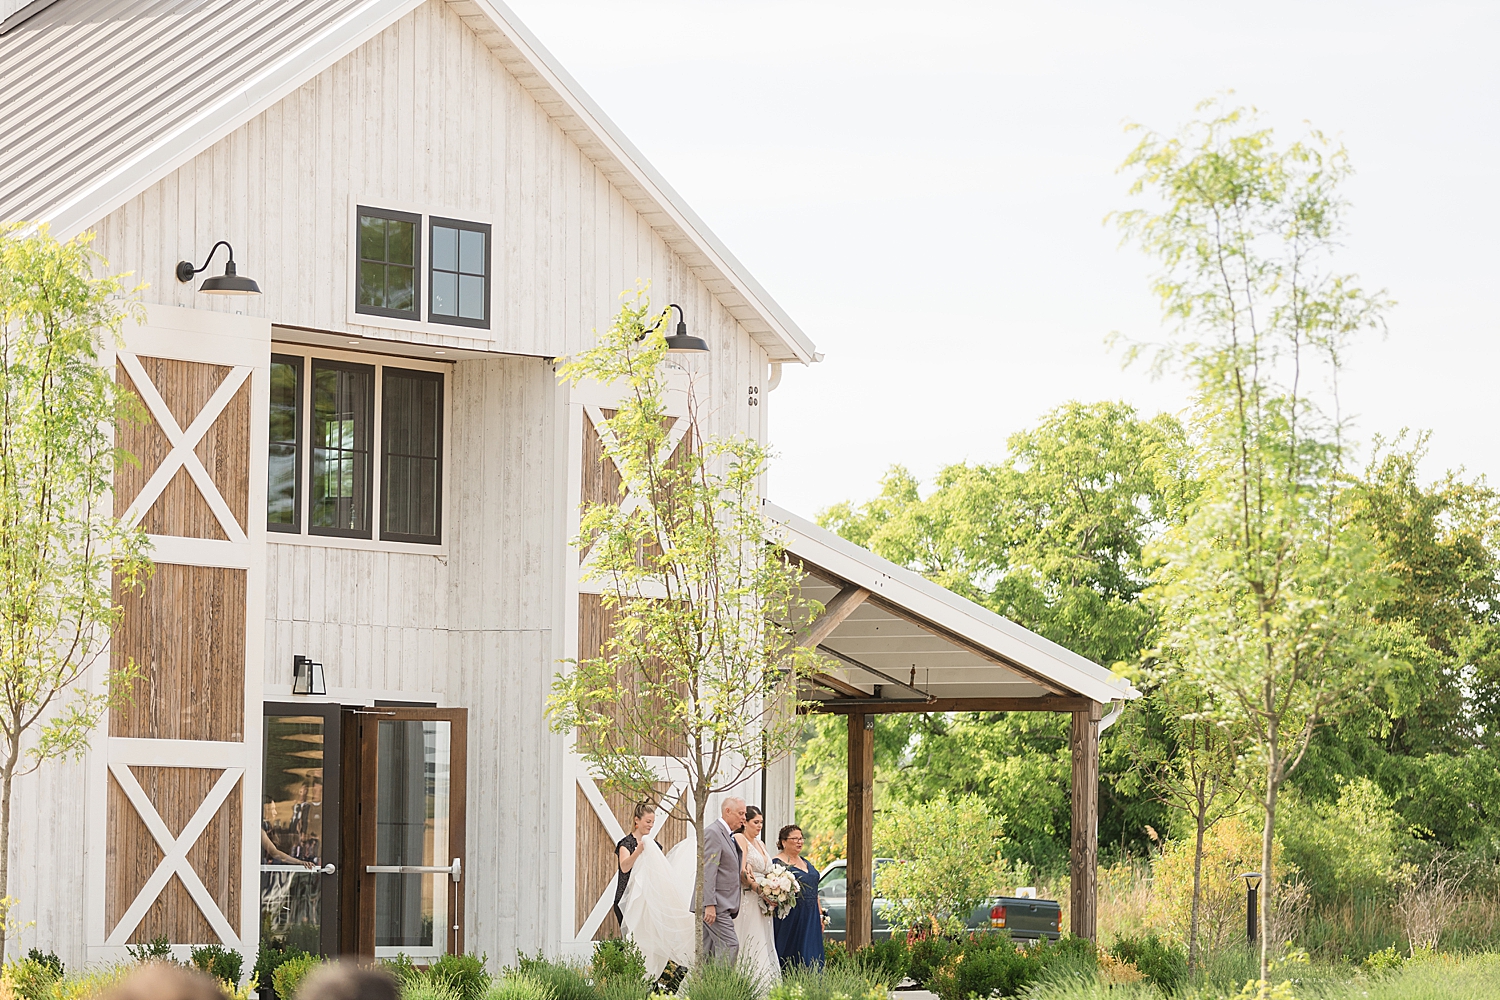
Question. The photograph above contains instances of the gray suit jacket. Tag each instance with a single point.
(721, 870)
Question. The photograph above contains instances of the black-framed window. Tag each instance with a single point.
(390, 263)
(343, 404)
(284, 469)
(459, 283)
(411, 424)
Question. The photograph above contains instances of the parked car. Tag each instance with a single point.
(1026, 919)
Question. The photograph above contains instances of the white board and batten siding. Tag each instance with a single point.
(424, 115)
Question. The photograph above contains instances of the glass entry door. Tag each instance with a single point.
(299, 827)
(411, 831)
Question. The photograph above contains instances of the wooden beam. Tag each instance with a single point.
(1084, 856)
(859, 822)
(834, 613)
(1044, 703)
(832, 683)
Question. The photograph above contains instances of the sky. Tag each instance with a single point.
(922, 186)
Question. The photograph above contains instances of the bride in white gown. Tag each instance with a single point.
(753, 926)
(658, 907)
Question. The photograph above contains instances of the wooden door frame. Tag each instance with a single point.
(333, 839)
(359, 908)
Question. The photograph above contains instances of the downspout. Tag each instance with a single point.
(775, 376)
(1116, 710)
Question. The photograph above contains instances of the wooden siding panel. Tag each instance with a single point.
(225, 453)
(143, 441)
(184, 629)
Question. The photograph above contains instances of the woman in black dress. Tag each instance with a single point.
(629, 848)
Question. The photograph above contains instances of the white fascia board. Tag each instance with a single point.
(300, 65)
(631, 158)
(944, 608)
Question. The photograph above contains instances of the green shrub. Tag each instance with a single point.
(925, 953)
(154, 950)
(423, 988)
(1161, 962)
(618, 958)
(622, 988)
(990, 970)
(464, 976)
(92, 984)
(1384, 961)
(517, 986)
(220, 962)
(31, 979)
(400, 968)
(1347, 849)
(562, 981)
(49, 959)
(289, 975)
(273, 953)
(719, 981)
(848, 981)
(881, 961)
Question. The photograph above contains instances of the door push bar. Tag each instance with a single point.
(454, 871)
(327, 869)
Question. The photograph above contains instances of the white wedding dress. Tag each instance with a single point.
(658, 904)
(753, 926)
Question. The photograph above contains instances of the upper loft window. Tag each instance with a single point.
(390, 253)
(460, 282)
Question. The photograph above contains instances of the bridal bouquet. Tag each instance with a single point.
(778, 890)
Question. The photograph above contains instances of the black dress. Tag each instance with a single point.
(629, 843)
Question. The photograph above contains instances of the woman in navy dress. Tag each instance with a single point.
(799, 935)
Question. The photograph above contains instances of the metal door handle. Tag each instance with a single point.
(327, 869)
(454, 871)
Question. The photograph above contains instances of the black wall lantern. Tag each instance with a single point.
(1252, 905)
(307, 676)
(682, 342)
(229, 283)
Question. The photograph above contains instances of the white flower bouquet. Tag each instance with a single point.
(778, 890)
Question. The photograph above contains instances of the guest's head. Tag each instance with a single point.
(343, 981)
(645, 818)
(790, 840)
(165, 981)
(754, 821)
(733, 811)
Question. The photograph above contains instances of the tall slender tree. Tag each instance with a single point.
(61, 547)
(1258, 588)
(700, 668)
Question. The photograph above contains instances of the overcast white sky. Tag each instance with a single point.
(921, 186)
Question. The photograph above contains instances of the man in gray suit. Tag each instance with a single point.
(721, 882)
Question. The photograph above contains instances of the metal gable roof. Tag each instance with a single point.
(914, 640)
(99, 99)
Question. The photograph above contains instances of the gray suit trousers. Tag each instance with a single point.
(720, 942)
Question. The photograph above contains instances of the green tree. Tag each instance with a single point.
(947, 860)
(698, 667)
(60, 544)
(1262, 585)
(1051, 537)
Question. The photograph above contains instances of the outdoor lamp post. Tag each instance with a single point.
(229, 283)
(1252, 905)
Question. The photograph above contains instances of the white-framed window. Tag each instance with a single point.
(358, 447)
(420, 268)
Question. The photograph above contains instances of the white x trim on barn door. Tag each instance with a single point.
(630, 502)
(174, 855)
(183, 442)
(612, 826)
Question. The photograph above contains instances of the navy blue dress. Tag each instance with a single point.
(799, 936)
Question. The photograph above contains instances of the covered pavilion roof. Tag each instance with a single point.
(893, 641)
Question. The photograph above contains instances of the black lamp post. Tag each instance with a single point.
(682, 342)
(229, 283)
(1252, 906)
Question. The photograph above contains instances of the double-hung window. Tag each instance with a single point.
(355, 445)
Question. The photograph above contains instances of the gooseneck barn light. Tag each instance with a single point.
(229, 283)
(682, 342)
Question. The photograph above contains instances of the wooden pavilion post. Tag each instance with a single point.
(859, 821)
(1084, 856)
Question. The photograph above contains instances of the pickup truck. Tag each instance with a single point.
(1026, 919)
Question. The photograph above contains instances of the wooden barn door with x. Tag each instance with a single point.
(174, 819)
